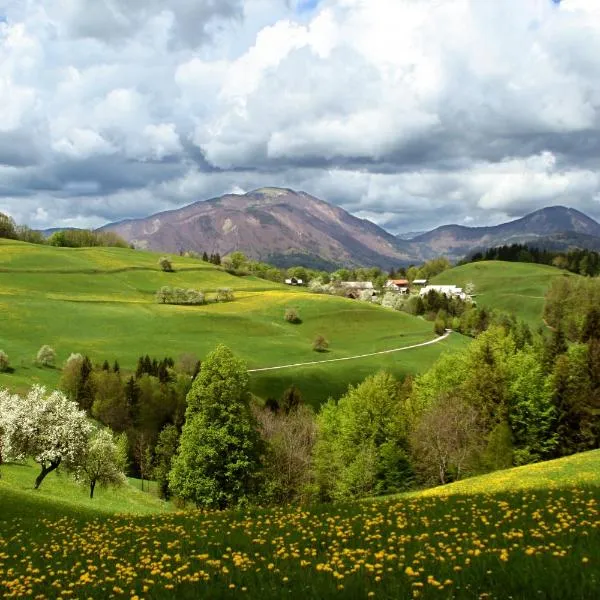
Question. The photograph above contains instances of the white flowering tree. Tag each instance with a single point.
(103, 461)
(49, 428)
(46, 356)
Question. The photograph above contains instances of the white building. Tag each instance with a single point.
(448, 290)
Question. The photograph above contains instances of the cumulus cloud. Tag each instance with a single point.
(409, 113)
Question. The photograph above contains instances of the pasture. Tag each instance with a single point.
(100, 302)
(512, 287)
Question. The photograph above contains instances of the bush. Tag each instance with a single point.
(224, 295)
(4, 363)
(168, 295)
(46, 356)
(439, 326)
(320, 344)
(292, 316)
(165, 264)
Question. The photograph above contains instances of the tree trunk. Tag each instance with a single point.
(54, 464)
(92, 487)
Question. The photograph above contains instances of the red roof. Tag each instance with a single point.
(399, 281)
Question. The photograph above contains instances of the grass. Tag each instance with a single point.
(508, 286)
(482, 538)
(100, 302)
(59, 495)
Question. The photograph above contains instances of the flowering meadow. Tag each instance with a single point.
(524, 543)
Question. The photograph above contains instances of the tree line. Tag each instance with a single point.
(578, 260)
(67, 238)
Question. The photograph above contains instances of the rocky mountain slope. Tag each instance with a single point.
(286, 228)
(275, 225)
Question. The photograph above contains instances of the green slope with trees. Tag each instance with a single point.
(100, 302)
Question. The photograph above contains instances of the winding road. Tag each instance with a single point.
(332, 360)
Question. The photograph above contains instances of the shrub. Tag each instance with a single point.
(165, 264)
(46, 356)
(439, 326)
(224, 295)
(320, 344)
(292, 316)
(168, 295)
(4, 363)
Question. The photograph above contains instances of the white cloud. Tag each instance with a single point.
(409, 112)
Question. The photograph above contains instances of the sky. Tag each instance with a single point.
(411, 113)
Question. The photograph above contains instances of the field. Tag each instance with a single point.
(531, 532)
(508, 286)
(100, 302)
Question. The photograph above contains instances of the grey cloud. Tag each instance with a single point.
(117, 20)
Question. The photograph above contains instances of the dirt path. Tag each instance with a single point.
(332, 360)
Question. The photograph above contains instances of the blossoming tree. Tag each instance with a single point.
(49, 428)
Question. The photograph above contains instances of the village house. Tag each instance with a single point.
(294, 281)
(420, 282)
(451, 291)
(397, 285)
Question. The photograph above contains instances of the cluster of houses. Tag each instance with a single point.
(355, 289)
(399, 286)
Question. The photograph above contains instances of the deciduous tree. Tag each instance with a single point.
(49, 428)
(219, 452)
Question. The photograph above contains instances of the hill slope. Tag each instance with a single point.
(489, 538)
(456, 241)
(270, 224)
(511, 287)
(100, 302)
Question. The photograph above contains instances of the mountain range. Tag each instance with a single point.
(285, 227)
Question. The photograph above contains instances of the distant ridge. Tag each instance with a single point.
(286, 228)
(564, 226)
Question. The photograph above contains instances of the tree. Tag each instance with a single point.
(142, 451)
(447, 439)
(165, 450)
(49, 428)
(576, 421)
(189, 364)
(76, 380)
(531, 413)
(4, 362)
(46, 356)
(237, 260)
(7, 227)
(103, 461)
(290, 439)
(291, 399)
(218, 457)
(556, 345)
(292, 316)
(165, 264)
(320, 344)
(110, 403)
(361, 445)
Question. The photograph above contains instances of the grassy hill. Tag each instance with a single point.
(100, 302)
(531, 532)
(512, 287)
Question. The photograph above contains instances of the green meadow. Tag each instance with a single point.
(100, 302)
(531, 532)
(508, 286)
